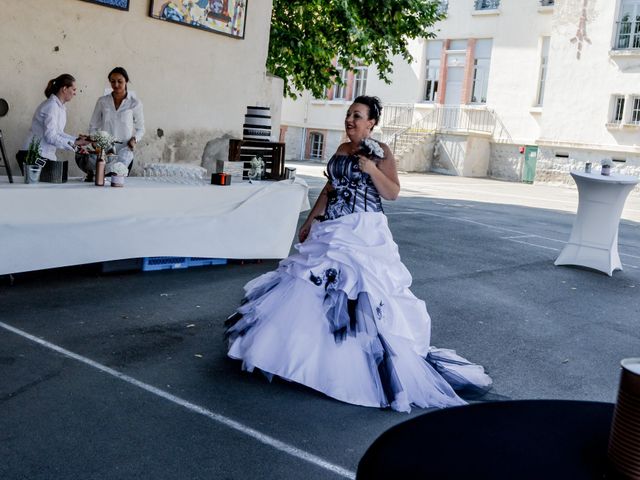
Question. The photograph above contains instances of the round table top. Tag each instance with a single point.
(526, 439)
(598, 177)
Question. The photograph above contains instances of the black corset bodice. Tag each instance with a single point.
(353, 190)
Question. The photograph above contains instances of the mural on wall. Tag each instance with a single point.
(581, 35)
(120, 4)
(573, 17)
(221, 16)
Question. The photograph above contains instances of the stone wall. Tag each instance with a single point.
(419, 158)
(294, 137)
(506, 162)
(293, 143)
(463, 155)
(553, 169)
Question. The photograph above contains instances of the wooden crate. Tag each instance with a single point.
(271, 152)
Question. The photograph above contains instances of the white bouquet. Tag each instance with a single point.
(103, 139)
(605, 162)
(118, 168)
(257, 168)
(257, 163)
(371, 148)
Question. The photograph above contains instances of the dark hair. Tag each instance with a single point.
(121, 71)
(61, 81)
(374, 104)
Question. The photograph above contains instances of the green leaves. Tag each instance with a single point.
(307, 36)
(33, 151)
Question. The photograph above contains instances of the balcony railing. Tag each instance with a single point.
(460, 119)
(464, 119)
(627, 35)
(397, 116)
(487, 4)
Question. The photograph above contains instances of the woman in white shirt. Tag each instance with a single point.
(50, 119)
(120, 114)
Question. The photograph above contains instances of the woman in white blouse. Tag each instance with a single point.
(50, 119)
(120, 114)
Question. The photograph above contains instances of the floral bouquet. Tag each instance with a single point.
(257, 168)
(103, 140)
(371, 149)
(605, 162)
(118, 169)
(257, 162)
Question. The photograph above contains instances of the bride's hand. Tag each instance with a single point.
(365, 164)
(304, 232)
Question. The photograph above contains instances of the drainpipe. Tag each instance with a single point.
(303, 142)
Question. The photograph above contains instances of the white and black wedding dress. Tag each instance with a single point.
(338, 316)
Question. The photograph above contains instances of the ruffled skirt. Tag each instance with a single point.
(339, 317)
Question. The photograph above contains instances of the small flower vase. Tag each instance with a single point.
(32, 173)
(255, 174)
(117, 180)
(606, 170)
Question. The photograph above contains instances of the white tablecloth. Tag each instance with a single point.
(594, 238)
(55, 225)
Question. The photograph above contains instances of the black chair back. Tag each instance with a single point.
(5, 160)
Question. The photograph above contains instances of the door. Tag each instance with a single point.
(453, 92)
(530, 159)
(455, 78)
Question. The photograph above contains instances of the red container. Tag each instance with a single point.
(220, 179)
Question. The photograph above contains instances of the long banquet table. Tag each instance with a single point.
(55, 225)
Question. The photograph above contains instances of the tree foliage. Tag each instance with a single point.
(308, 35)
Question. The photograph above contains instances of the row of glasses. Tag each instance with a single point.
(173, 173)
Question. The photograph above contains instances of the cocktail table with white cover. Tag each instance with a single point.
(46, 225)
(594, 238)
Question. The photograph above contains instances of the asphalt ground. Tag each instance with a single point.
(124, 375)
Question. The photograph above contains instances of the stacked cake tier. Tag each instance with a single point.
(257, 124)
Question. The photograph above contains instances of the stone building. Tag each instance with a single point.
(510, 89)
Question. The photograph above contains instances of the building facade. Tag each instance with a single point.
(195, 85)
(511, 89)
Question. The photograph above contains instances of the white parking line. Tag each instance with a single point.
(226, 421)
(514, 238)
(447, 189)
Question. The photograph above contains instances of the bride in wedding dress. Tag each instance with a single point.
(338, 316)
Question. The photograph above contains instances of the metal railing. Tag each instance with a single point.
(446, 119)
(627, 35)
(487, 4)
(424, 125)
(397, 115)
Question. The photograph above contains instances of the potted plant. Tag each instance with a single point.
(33, 162)
(117, 171)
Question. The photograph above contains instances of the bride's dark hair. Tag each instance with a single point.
(374, 104)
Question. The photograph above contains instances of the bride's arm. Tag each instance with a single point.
(318, 209)
(383, 173)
